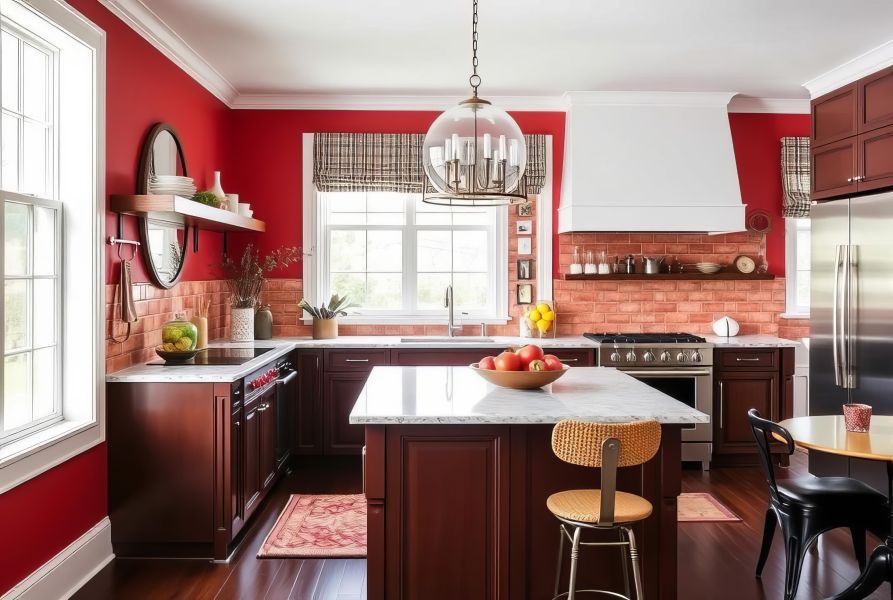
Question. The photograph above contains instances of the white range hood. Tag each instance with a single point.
(649, 161)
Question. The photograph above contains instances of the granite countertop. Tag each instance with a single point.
(190, 373)
(430, 395)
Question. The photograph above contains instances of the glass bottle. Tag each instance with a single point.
(577, 262)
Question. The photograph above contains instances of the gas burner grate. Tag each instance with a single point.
(645, 338)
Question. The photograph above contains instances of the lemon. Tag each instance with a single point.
(549, 315)
(544, 325)
(543, 308)
(534, 315)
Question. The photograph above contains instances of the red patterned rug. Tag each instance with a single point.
(319, 527)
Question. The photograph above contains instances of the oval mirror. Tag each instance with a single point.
(164, 242)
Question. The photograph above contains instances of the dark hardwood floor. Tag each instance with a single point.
(716, 560)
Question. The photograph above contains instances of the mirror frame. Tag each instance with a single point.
(142, 187)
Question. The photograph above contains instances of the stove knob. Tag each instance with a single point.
(648, 356)
(631, 356)
(664, 356)
(695, 356)
(681, 357)
(615, 356)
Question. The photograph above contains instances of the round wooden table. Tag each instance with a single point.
(828, 434)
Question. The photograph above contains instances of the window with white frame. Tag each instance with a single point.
(394, 256)
(51, 174)
(797, 269)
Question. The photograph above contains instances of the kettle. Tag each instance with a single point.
(652, 264)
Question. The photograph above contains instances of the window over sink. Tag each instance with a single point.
(395, 255)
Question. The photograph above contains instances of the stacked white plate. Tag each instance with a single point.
(708, 267)
(171, 184)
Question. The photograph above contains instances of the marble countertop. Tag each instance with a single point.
(431, 395)
(750, 341)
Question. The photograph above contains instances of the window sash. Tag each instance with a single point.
(794, 275)
(410, 229)
(11, 435)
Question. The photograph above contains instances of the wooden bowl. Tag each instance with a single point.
(175, 356)
(519, 380)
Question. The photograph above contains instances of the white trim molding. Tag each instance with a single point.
(753, 104)
(857, 68)
(70, 569)
(141, 19)
(386, 102)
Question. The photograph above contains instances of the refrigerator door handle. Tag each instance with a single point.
(836, 309)
(851, 276)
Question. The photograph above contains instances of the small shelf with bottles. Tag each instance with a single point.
(726, 275)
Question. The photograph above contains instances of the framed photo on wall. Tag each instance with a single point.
(525, 268)
(524, 227)
(525, 293)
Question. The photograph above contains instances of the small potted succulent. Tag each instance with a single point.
(246, 279)
(325, 317)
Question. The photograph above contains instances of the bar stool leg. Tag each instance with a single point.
(561, 536)
(575, 549)
(634, 559)
(623, 558)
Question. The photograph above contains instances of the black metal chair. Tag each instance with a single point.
(809, 506)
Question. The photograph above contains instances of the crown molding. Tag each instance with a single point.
(385, 102)
(147, 24)
(752, 104)
(864, 64)
(634, 98)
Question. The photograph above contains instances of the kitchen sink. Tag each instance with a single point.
(448, 340)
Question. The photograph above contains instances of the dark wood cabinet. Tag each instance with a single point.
(760, 378)
(341, 392)
(251, 481)
(307, 432)
(876, 100)
(852, 138)
(266, 453)
(835, 115)
(236, 471)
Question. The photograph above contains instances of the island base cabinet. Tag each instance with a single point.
(459, 511)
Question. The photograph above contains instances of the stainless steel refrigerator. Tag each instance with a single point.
(851, 308)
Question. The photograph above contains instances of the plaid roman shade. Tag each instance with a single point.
(368, 162)
(795, 176)
(392, 162)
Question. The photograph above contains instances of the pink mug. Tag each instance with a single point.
(857, 417)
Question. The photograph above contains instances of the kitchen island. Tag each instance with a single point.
(457, 472)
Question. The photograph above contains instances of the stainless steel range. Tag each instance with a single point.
(678, 364)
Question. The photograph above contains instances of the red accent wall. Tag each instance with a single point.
(755, 137)
(266, 169)
(45, 514)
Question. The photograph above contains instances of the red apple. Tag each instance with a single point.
(529, 353)
(536, 365)
(488, 363)
(552, 362)
(508, 361)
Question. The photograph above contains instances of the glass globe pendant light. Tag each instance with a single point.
(474, 154)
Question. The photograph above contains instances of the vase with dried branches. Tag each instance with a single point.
(245, 279)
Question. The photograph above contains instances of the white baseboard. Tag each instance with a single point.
(64, 574)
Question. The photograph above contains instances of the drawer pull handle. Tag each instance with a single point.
(359, 360)
(567, 360)
(753, 359)
(263, 407)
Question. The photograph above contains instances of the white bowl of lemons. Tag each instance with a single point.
(538, 321)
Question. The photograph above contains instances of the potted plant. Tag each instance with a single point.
(245, 280)
(325, 317)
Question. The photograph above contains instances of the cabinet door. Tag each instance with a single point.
(736, 393)
(876, 100)
(307, 432)
(267, 438)
(835, 115)
(834, 168)
(342, 390)
(876, 159)
(250, 459)
(237, 484)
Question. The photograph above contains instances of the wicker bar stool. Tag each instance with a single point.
(606, 446)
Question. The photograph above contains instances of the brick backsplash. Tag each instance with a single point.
(154, 307)
(793, 329)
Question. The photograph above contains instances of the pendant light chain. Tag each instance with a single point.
(475, 79)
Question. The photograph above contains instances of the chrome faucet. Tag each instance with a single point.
(452, 328)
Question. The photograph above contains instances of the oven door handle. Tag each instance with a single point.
(652, 373)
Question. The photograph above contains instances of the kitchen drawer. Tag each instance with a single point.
(764, 358)
(355, 360)
(575, 357)
(446, 357)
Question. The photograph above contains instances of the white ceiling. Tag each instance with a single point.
(765, 48)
